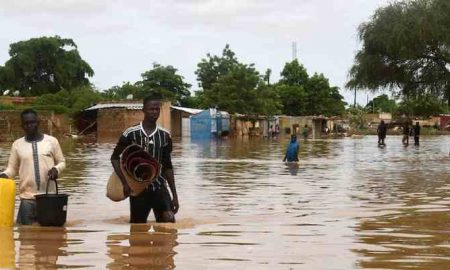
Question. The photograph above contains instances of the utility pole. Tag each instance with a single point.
(294, 51)
(354, 101)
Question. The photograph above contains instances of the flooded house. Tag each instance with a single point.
(295, 124)
(109, 119)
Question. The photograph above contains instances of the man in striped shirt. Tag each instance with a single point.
(158, 143)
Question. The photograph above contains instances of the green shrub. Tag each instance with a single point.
(57, 109)
(6, 107)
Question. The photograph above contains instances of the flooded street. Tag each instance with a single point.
(348, 205)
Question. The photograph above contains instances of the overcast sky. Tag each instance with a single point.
(120, 39)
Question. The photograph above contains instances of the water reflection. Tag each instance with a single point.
(292, 167)
(145, 247)
(349, 205)
(40, 247)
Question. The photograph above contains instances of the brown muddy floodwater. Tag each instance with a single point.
(349, 205)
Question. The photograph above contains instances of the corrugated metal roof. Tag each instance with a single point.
(188, 110)
(128, 106)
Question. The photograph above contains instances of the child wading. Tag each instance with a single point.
(292, 150)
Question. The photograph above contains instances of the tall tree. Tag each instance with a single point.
(44, 65)
(304, 95)
(212, 67)
(166, 81)
(233, 86)
(405, 48)
(121, 92)
(382, 103)
(294, 74)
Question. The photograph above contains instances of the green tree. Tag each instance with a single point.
(165, 81)
(294, 73)
(235, 87)
(304, 95)
(44, 65)
(73, 101)
(427, 105)
(293, 99)
(212, 67)
(236, 91)
(405, 48)
(121, 92)
(356, 115)
(291, 89)
(382, 103)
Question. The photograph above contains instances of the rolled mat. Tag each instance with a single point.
(139, 168)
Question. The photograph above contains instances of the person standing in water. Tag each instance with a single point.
(157, 141)
(292, 150)
(381, 131)
(305, 132)
(406, 130)
(36, 158)
(416, 130)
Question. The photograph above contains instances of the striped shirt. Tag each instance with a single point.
(158, 144)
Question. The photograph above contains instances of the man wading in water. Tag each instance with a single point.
(35, 157)
(381, 131)
(158, 143)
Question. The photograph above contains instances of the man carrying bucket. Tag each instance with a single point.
(157, 142)
(35, 157)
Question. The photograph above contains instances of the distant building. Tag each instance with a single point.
(110, 119)
(209, 123)
(180, 120)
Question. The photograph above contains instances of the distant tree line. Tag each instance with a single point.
(52, 69)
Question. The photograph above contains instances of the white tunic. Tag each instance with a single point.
(21, 162)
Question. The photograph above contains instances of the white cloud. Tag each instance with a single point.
(121, 39)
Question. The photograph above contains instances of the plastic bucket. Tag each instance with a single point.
(51, 209)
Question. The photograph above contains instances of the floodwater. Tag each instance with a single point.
(347, 205)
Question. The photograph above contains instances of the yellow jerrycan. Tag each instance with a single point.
(7, 248)
(7, 200)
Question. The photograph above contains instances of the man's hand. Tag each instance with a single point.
(53, 174)
(175, 205)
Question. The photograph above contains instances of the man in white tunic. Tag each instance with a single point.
(36, 158)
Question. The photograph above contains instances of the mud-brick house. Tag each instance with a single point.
(444, 121)
(109, 119)
(243, 125)
(295, 124)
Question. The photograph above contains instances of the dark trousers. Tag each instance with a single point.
(27, 212)
(416, 140)
(140, 206)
